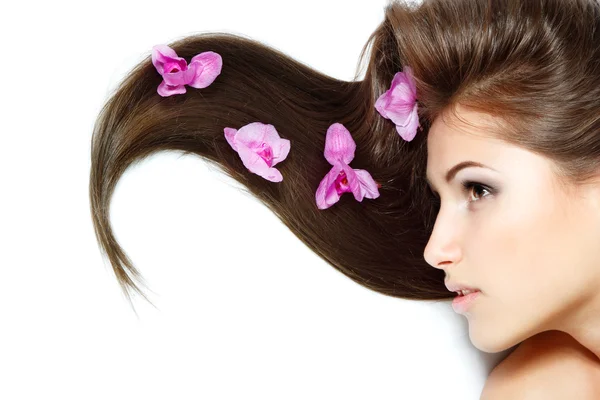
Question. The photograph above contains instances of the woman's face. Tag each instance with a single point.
(530, 245)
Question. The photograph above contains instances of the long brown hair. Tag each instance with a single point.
(536, 63)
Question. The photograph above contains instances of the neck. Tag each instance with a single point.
(583, 324)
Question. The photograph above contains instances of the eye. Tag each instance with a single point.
(477, 188)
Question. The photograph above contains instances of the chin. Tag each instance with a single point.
(490, 347)
(490, 341)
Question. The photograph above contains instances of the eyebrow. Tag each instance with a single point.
(454, 170)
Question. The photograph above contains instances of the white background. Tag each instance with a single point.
(235, 318)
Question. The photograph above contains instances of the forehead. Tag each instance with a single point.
(470, 136)
(475, 137)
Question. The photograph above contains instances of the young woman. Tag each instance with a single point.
(472, 145)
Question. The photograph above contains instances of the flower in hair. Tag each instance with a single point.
(176, 73)
(260, 148)
(339, 151)
(399, 104)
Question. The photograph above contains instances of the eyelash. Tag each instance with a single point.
(468, 185)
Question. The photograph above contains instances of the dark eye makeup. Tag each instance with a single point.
(480, 188)
(468, 187)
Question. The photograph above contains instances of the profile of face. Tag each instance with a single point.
(510, 229)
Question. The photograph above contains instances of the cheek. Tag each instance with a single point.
(518, 258)
(509, 248)
(539, 244)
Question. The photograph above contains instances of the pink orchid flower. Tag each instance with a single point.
(260, 148)
(202, 71)
(399, 103)
(339, 151)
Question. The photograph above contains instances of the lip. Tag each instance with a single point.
(455, 287)
(461, 304)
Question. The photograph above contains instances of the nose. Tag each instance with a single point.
(443, 248)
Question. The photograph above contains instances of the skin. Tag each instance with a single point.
(550, 365)
(529, 242)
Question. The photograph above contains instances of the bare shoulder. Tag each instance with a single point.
(550, 365)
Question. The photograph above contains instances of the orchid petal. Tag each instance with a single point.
(207, 66)
(326, 194)
(178, 78)
(256, 164)
(353, 183)
(409, 130)
(339, 145)
(256, 141)
(166, 90)
(165, 59)
(280, 151)
(254, 134)
(367, 186)
(399, 104)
